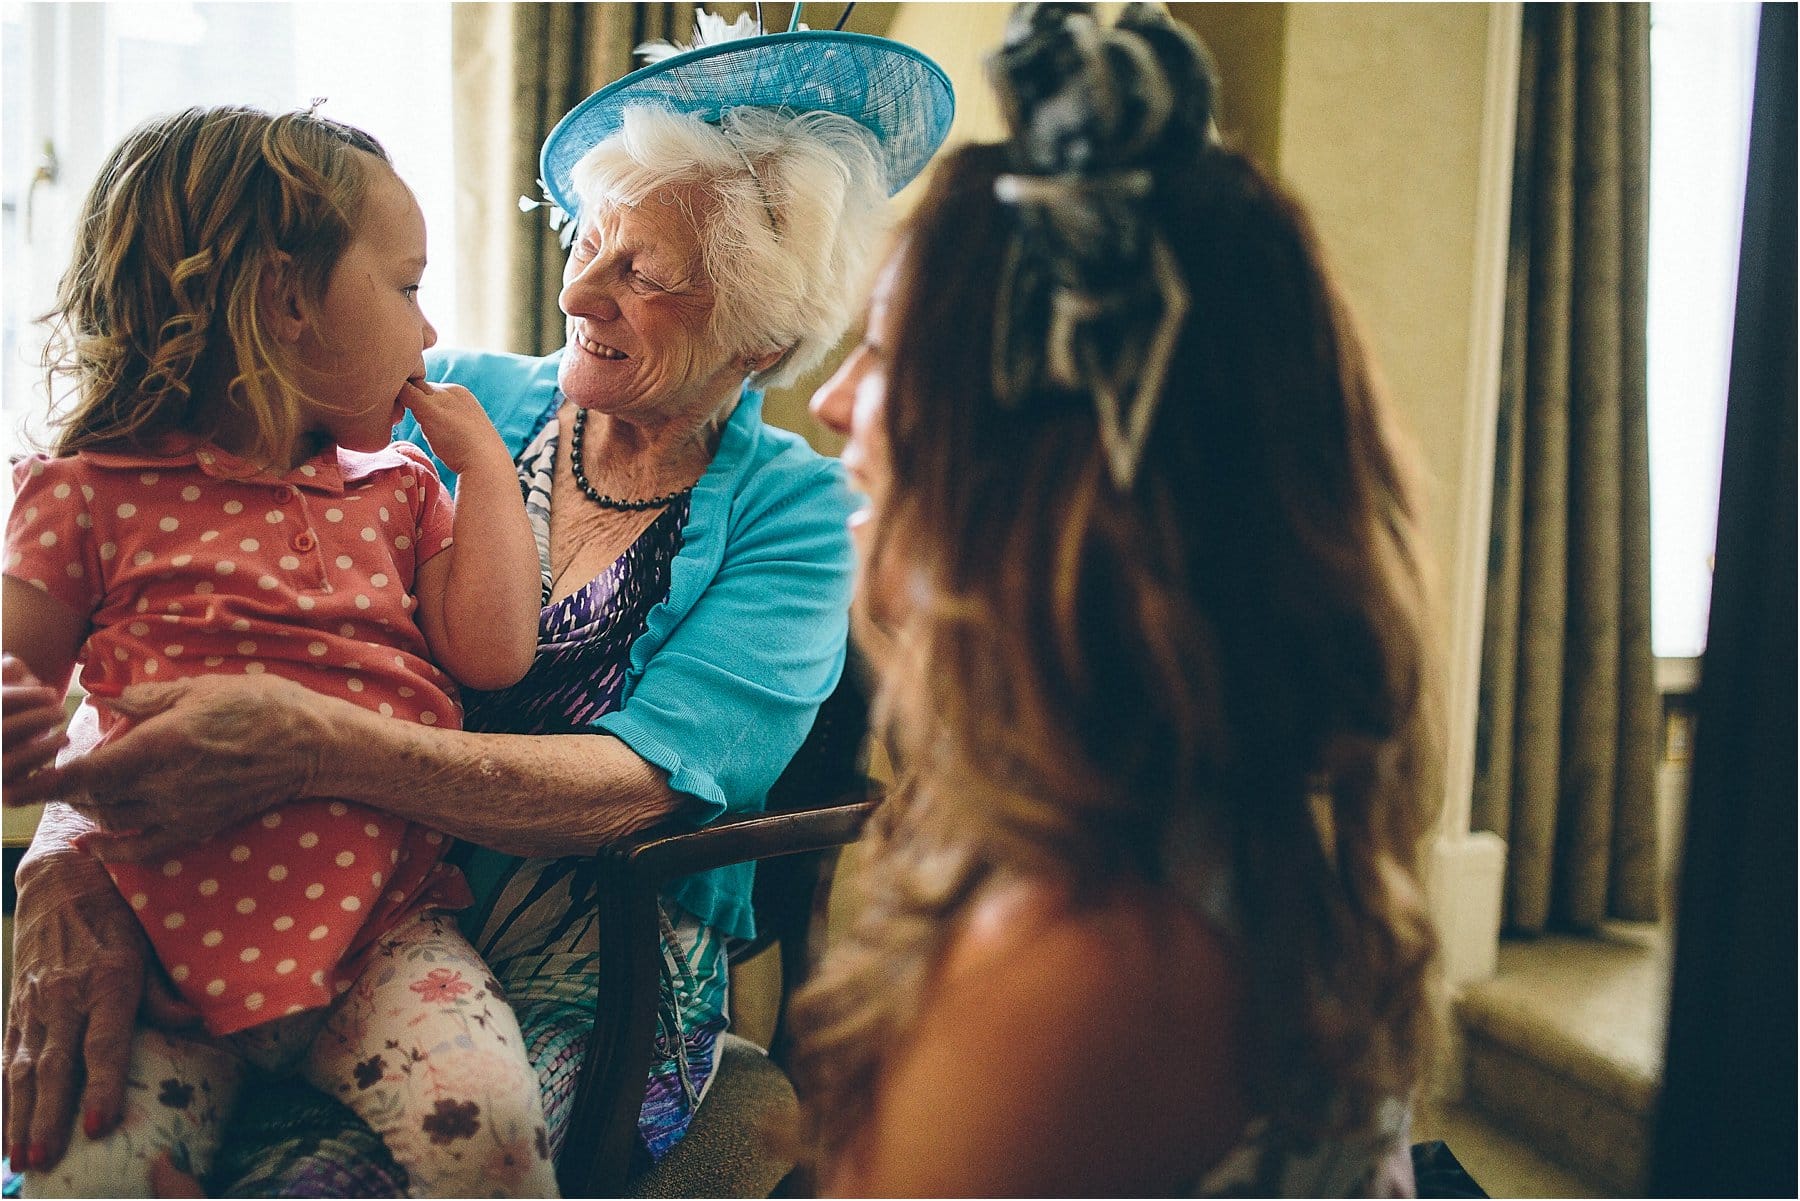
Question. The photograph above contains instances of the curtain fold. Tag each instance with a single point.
(1567, 749)
(516, 69)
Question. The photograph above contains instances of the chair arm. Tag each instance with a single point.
(634, 869)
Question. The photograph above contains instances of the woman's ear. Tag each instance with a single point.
(758, 364)
(278, 299)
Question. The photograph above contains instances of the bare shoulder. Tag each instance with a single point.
(1065, 1046)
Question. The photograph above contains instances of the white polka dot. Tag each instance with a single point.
(351, 904)
(203, 588)
(148, 478)
(139, 900)
(143, 605)
(138, 629)
(284, 923)
(353, 684)
(60, 492)
(318, 977)
(168, 525)
(250, 954)
(253, 1001)
(215, 988)
(190, 493)
(181, 560)
(428, 718)
(119, 652)
(337, 809)
(334, 515)
(433, 837)
(108, 550)
(212, 938)
(174, 921)
(210, 536)
(246, 905)
(246, 647)
(278, 873)
(446, 544)
(240, 853)
(375, 879)
(172, 868)
(384, 513)
(208, 887)
(305, 602)
(318, 932)
(347, 630)
(345, 858)
(173, 650)
(342, 986)
(369, 534)
(234, 507)
(179, 972)
(403, 690)
(74, 571)
(393, 856)
(386, 709)
(84, 521)
(254, 669)
(47, 538)
(225, 567)
(346, 562)
(314, 891)
(402, 542)
(285, 966)
(250, 546)
(149, 667)
(241, 624)
(289, 563)
(396, 896)
(268, 582)
(372, 830)
(127, 510)
(212, 660)
(379, 579)
(141, 558)
(309, 840)
(273, 517)
(271, 820)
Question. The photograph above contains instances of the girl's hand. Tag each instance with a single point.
(31, 723)
(78, 960)
(205, 754)
(458, 428)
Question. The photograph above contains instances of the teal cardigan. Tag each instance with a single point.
(732, 666)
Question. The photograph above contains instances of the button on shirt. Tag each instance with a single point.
(186, 565)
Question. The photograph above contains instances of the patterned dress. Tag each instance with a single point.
(533, 919)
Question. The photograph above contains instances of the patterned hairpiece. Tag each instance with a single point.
(1091, 297)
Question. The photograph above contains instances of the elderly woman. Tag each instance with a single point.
(695, 568)
(1143, 917)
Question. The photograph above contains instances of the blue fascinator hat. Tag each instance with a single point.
(890, 89)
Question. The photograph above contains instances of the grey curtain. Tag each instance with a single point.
(1570, 716)
(517, 68)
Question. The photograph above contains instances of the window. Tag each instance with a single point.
(1702, 64)
(77, 77)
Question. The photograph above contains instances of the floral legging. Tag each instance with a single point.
(423, 1047)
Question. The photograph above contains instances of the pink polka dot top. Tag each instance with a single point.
(186, 564)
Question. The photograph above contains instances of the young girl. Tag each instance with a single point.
(241, 325)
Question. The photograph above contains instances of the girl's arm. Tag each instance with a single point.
(43, 635)
(478, 600)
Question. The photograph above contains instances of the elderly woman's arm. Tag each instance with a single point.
(210, 751)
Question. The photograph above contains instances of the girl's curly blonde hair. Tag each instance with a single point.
(157, 326)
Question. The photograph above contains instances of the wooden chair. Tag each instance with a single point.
(818, 806)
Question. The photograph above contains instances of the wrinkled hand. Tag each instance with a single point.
(205, 754)
(78, 964)
(460, 432)
(31, 728)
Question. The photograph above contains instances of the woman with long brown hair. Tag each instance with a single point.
(1144, 587)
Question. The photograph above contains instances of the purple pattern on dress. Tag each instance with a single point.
(584, 642)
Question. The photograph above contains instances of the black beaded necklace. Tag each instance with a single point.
(600, 498)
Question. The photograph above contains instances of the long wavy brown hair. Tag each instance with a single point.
(1232, 663)
(157, 327)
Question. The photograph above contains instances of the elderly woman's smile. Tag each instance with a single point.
(642, 334)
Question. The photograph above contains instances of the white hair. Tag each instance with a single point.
(801, 208)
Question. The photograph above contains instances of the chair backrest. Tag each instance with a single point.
(793, 891)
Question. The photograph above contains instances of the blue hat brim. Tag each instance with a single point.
(898, 94)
